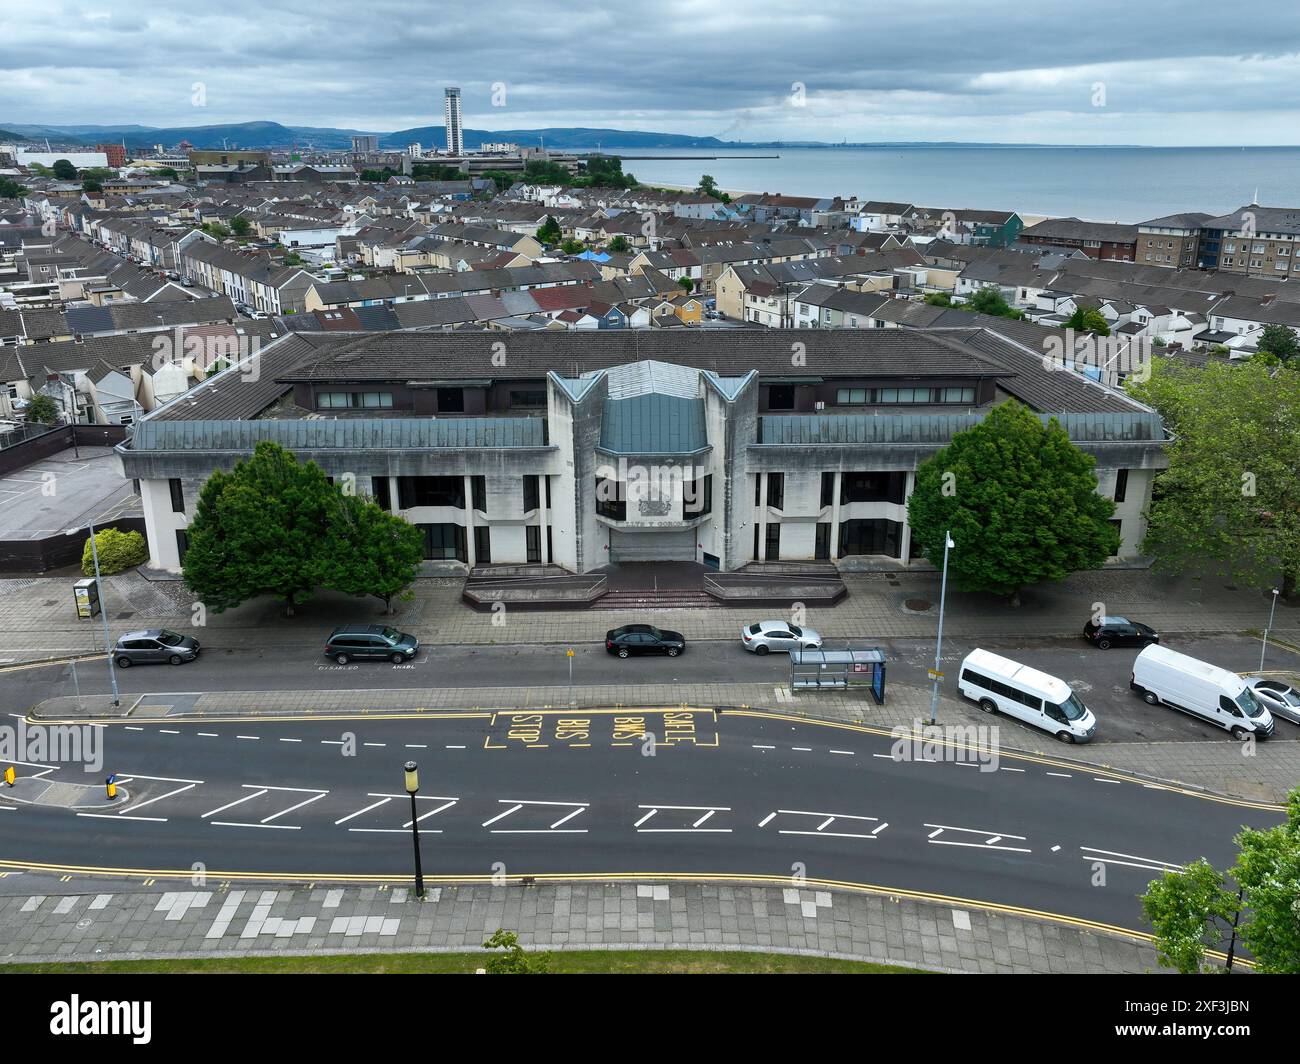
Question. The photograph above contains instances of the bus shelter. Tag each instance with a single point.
(839, 669)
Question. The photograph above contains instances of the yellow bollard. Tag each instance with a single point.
(111, 784)
(10, 775)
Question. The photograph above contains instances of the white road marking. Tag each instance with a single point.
(208, 734)
(306, 801)
(417, 746)
(762, 746)
(1098, 779)
(168, 731)
(131, 728)
(450, 747)
(352, 816)
(247, 736)
(1062, 775)
(374, 744)
(825, 820)
(707, 810)
(235, 824)
(849, 752)
(1151, 864)
(119, 816)
(992, 838)
(1003, 768)
(237, 801)
(290, 740)
(578, 807)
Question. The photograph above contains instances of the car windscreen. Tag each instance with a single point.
(796, 630)
(170, 639)
(392, 633)
(1072, 708)
(654, 633)
(1249, 704)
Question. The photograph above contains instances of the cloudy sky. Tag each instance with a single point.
(1108, 71)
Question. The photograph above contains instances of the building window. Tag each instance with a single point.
(528, 399)
(851, 396)
(451, 400)
(182, 544)
(772, 548)
(873, 487)
(1121, 485)
(700, 501)
(828, 490)
(610, 502)
(178, 495)
(381, 490)
(876, 536)
(445, 542)
(431, 491)
(780, 397)
(532, 497)
(776, 490)
(482, 545)
(822, 549)
(533, 543)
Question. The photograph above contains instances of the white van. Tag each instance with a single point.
(1161, 675)
(1003, 685)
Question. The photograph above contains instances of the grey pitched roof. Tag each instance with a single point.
(653, 423)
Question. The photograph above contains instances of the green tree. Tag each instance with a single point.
(939, 299)
(216, 229)
(1087, 319)
(42, 410)
(371, 551)
(117, 551)
(168, 172)
(1231, 496)
(687, 284)
(550, 232)
(11, 189)
(513, 959)
(259, 530)
(1280, 341)
(240, 226)
(1020, 501)
(618, 245)
(1190, 912)
(573, 247)
(1268, 872)
(91, 185)
(707, 186)
(989, 300)
(63, 170)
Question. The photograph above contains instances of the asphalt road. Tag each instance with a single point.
(574, 792)
(1100, 677)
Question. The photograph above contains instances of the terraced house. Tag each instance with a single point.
(589, 448)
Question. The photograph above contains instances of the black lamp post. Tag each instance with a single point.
(413, 785)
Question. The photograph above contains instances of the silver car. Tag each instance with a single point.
(766, 636)
(1280, 699)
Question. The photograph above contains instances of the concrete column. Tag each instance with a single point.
(543, 483)
(469, 521)
(761, 520)
(905, 541)
(835, 518)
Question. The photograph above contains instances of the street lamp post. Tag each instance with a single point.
(1263, 649)
(103, 613)
(413, 785)
(938, 642)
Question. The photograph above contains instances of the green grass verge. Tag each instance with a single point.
(566, 962)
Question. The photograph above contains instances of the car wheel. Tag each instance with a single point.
(341, 659)
(988, 705)
(622, 652)
(397, 659)
(1150, 698)
(673, 652)
(175, 659)
(1065, 737)
(1103, 644)
(1239, 734)
(760, 649)
(123, 663)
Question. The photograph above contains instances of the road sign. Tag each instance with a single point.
(569, 653)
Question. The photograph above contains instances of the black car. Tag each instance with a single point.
(371, 642)
(1119, 632)
(154, 646)
(643, 639)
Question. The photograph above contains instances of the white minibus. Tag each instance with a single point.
(999, 684)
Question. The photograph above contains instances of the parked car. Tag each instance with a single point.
(154, 646)
(1119, 632)
(643, 639)
(999, 684)
(766, 636)
(1199, 689)
(1280, 699)
(371, 642)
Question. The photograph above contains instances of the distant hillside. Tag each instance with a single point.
(275, 135)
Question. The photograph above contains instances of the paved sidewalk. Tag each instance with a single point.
(38, 621)
(249, 920)
(1259, 772)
